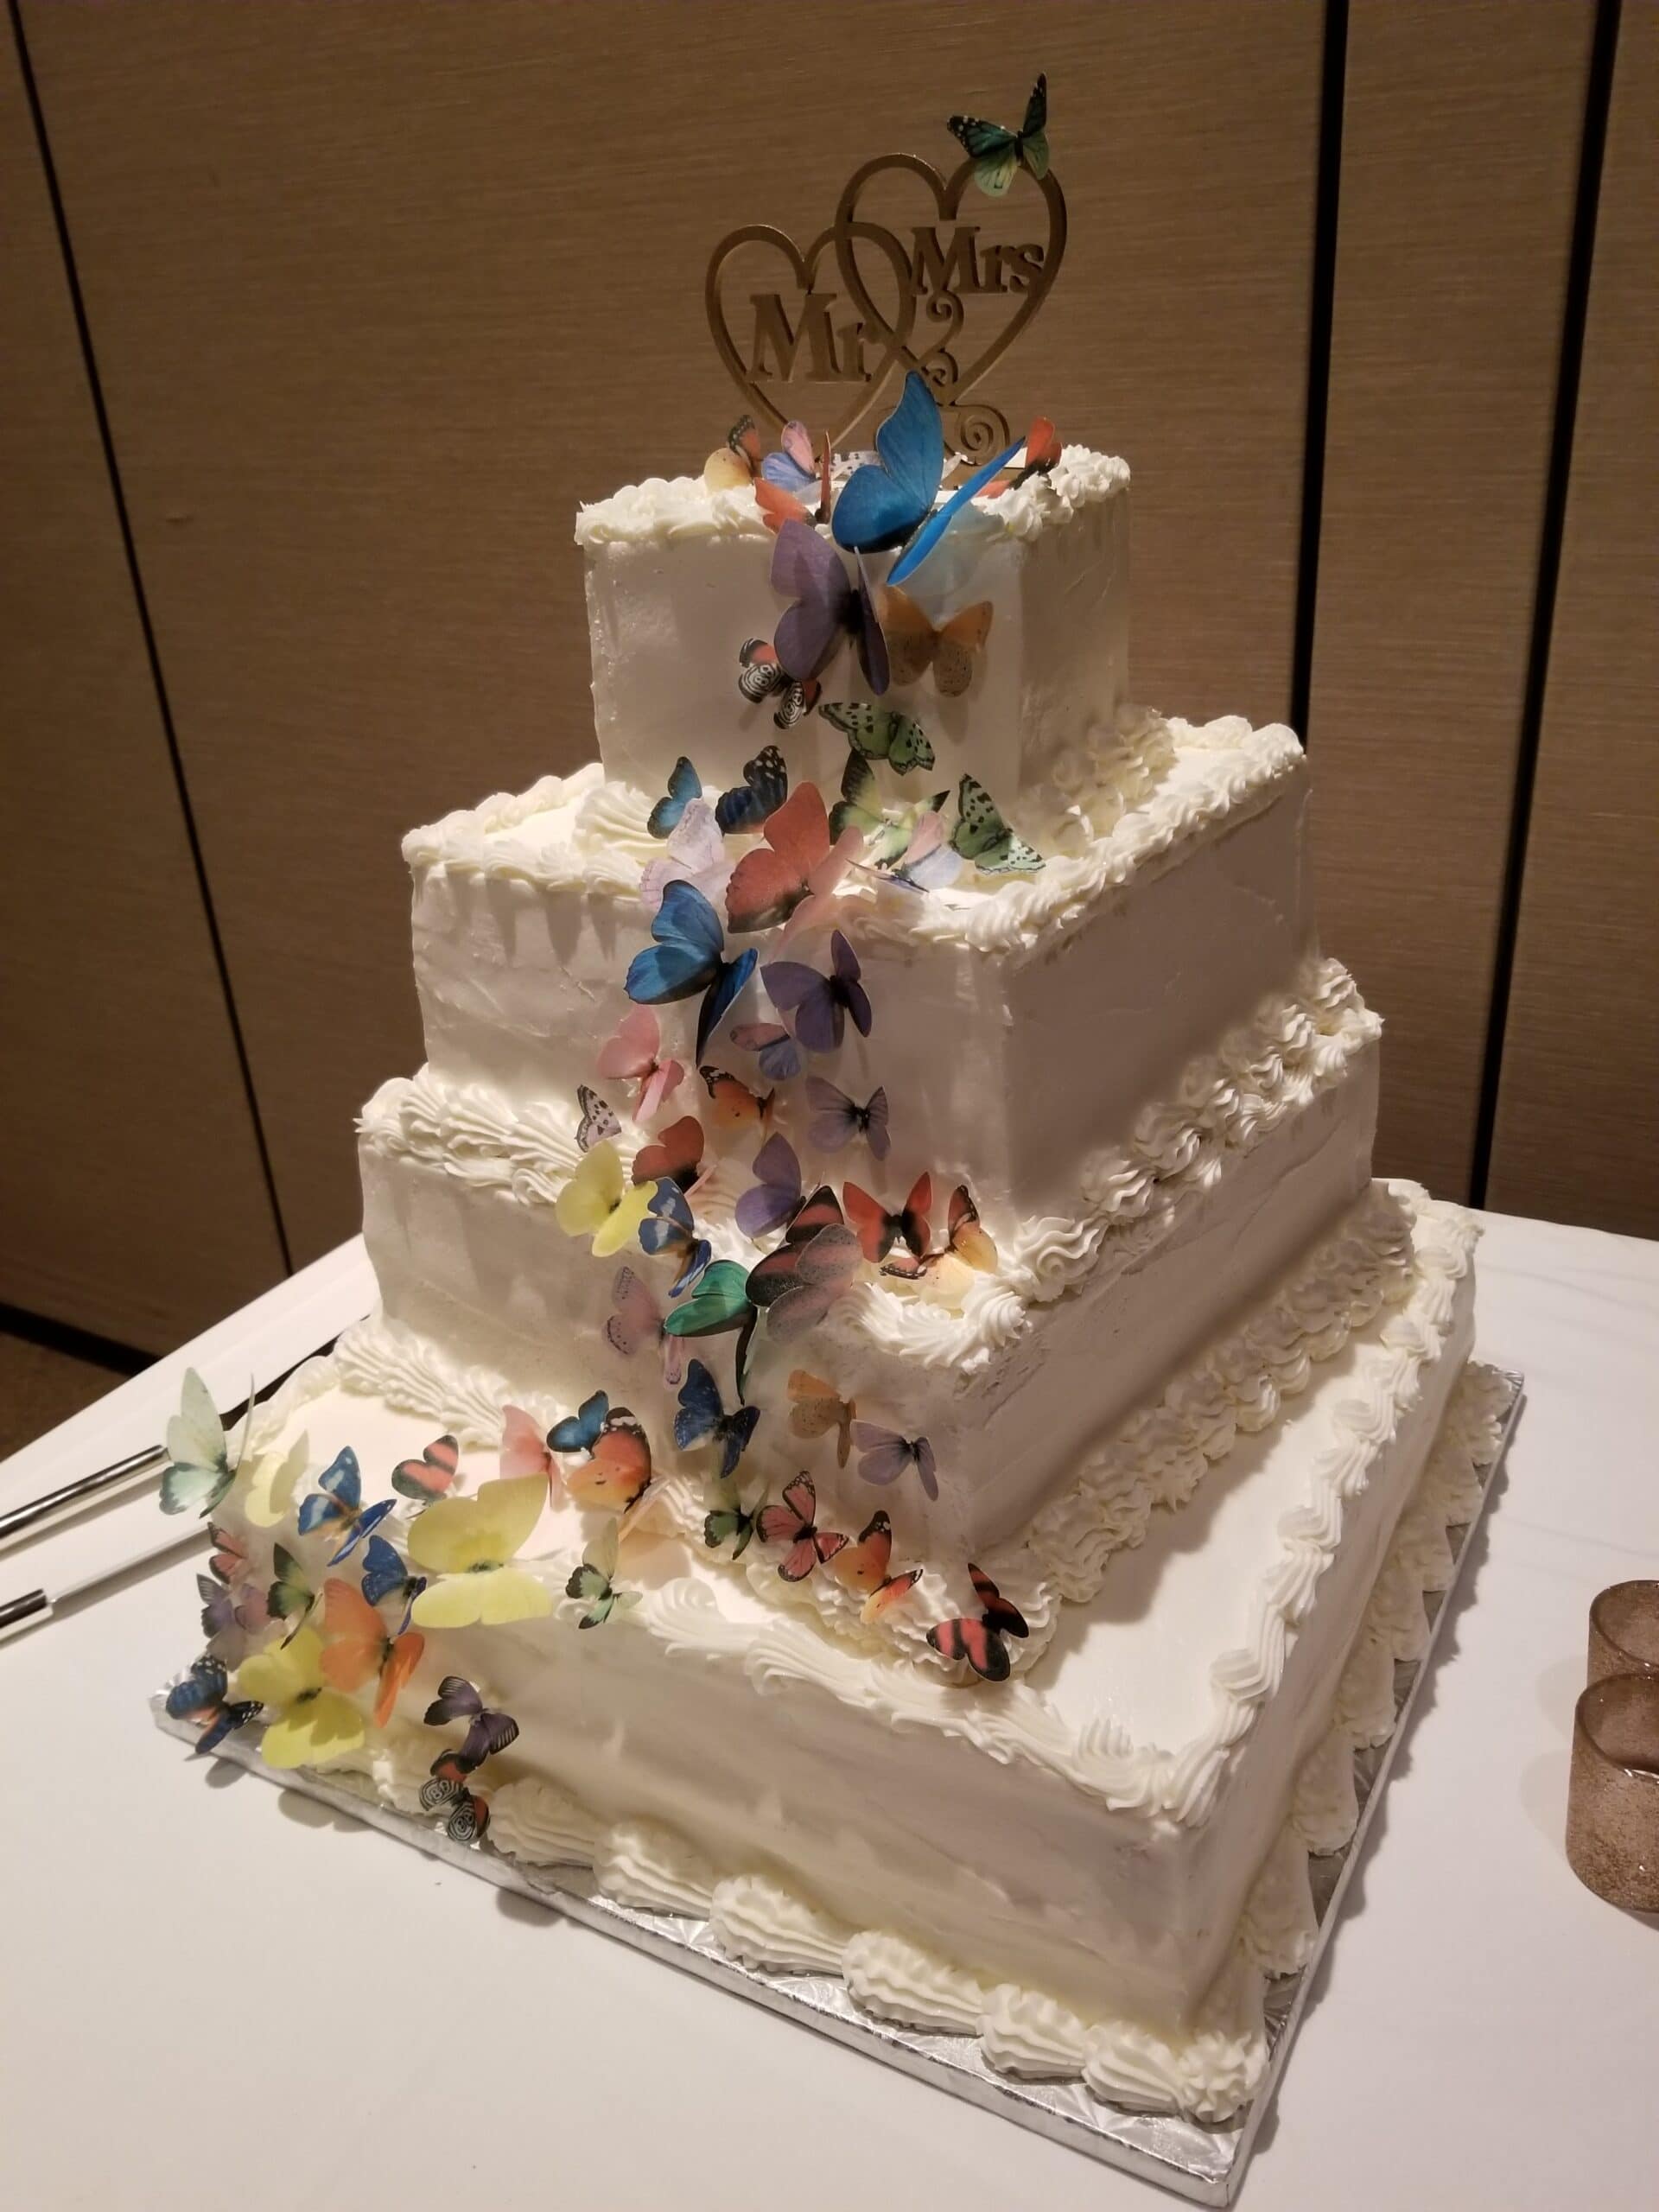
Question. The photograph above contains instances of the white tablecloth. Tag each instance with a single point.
(205, 2004)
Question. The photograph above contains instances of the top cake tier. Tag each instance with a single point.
(679, 577)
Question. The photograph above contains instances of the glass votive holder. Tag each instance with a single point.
(1625, 1631)
(1612, 1795)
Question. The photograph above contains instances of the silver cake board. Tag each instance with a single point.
(1206, 2164)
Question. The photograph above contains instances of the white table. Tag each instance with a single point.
(177, 1946)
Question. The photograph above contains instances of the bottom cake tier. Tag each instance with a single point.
(1094, 1866)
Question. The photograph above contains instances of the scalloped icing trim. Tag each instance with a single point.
(1210, 2074)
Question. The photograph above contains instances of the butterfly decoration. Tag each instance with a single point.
(881, 733)
(887, 831)
(884, 1456)
(702, 1419)
(982, 836)
(928, 863)
(837, 1119)
(966, 1239)
(201, 1697)
(794, 1523)
(228, 1600)
(815, 1407)
(337, 1506)
(447, 1792)
(466, 1547)
(779, 1055)
(889, 501)
(314, 1722)
(878, 1231)
(827, 606)
(599, 1201)
(781, 498)
(733, 1523)
(218, 1606)
(684, 784)
(592, 1581)
(1042, 452)
(981, 1642)
(674, 1157)
(748, 805)
(488, 1733)
(775, 1198)
(597, 1124)
(613, 1450)
(429, 1475)
(720, 1306)
(735, 466)
(794, 465)
(385, 1575)
(290, 1596)
(697, 854)
(797, 1285)
(915, 645)
(797, 864)
(637, 1320)
(689, 956)
(819, 1003)
(862, 1568)
(356, 1647)
(201, 1464)
(523, 1450)
(733, 1106)
(631, 1050)
(762, 674)
(998, 153)
(669, 1227)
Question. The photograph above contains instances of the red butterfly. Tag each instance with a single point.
(675, 1157)
(966, 1240)
(429, 1475)
(795, 864)
(863, 1568)
(799, 1281)
(878, 1231)
(980, 1642)
(794, 1523)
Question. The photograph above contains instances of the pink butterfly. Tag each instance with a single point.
(794, 1524)
(797, 869)
(886, 1455)
(697, 854)
(638, 1320)
(523, 1448)
(981, 1642)
(633, 1051)
(927, 863)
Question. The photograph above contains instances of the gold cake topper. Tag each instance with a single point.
(917, 290)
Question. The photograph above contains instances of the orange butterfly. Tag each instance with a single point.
(878, 1231)
(676, 1156)
(863, 1568)
(966, 1239)
(735, 1106)
(356, 1645)
(914, 645)
(816, 1408)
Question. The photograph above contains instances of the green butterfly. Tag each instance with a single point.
(718, 1307)
(591, 1582)
(996, 152)
(886, 830)
(202, 1466)
(290, 1597)
(880, 734)
(733, 1524)
(983, 837)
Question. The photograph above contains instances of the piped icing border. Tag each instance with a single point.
(1020, 1725)
(1210, 2074)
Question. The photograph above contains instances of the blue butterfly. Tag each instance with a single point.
(702, 1419)
(385, 1575)
(581, 1430)
(882, 502)
(688, 957)
(684, 784)
(200, 1697)
(934, 529)
(669, 1227)
(758, 797)
(337, 1503)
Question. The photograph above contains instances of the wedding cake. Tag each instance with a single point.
(898, 1421)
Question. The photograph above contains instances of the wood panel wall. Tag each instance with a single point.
(131, 1191)
(1576, 1111)
(377, 292)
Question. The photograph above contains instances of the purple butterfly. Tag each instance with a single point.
(837, 1119)
(886, 1455)
(779, 1055)
(807, 569)
(821, 1003)
(775, 1199)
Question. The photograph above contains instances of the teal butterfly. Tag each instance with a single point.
(733, 1524)
(591, 1582)
(996, 152)
(201, 1465)
(290, 1597)
(885, 830)
(982, 836)
(881, 735)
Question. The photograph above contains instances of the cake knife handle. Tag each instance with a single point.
(62, 1504)
(32, 1610)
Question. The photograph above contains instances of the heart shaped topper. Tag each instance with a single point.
(847, 347)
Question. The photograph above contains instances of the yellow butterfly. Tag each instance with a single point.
(599, 1201)
(314, 1724)
(266, 1484)
(465, 1544)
